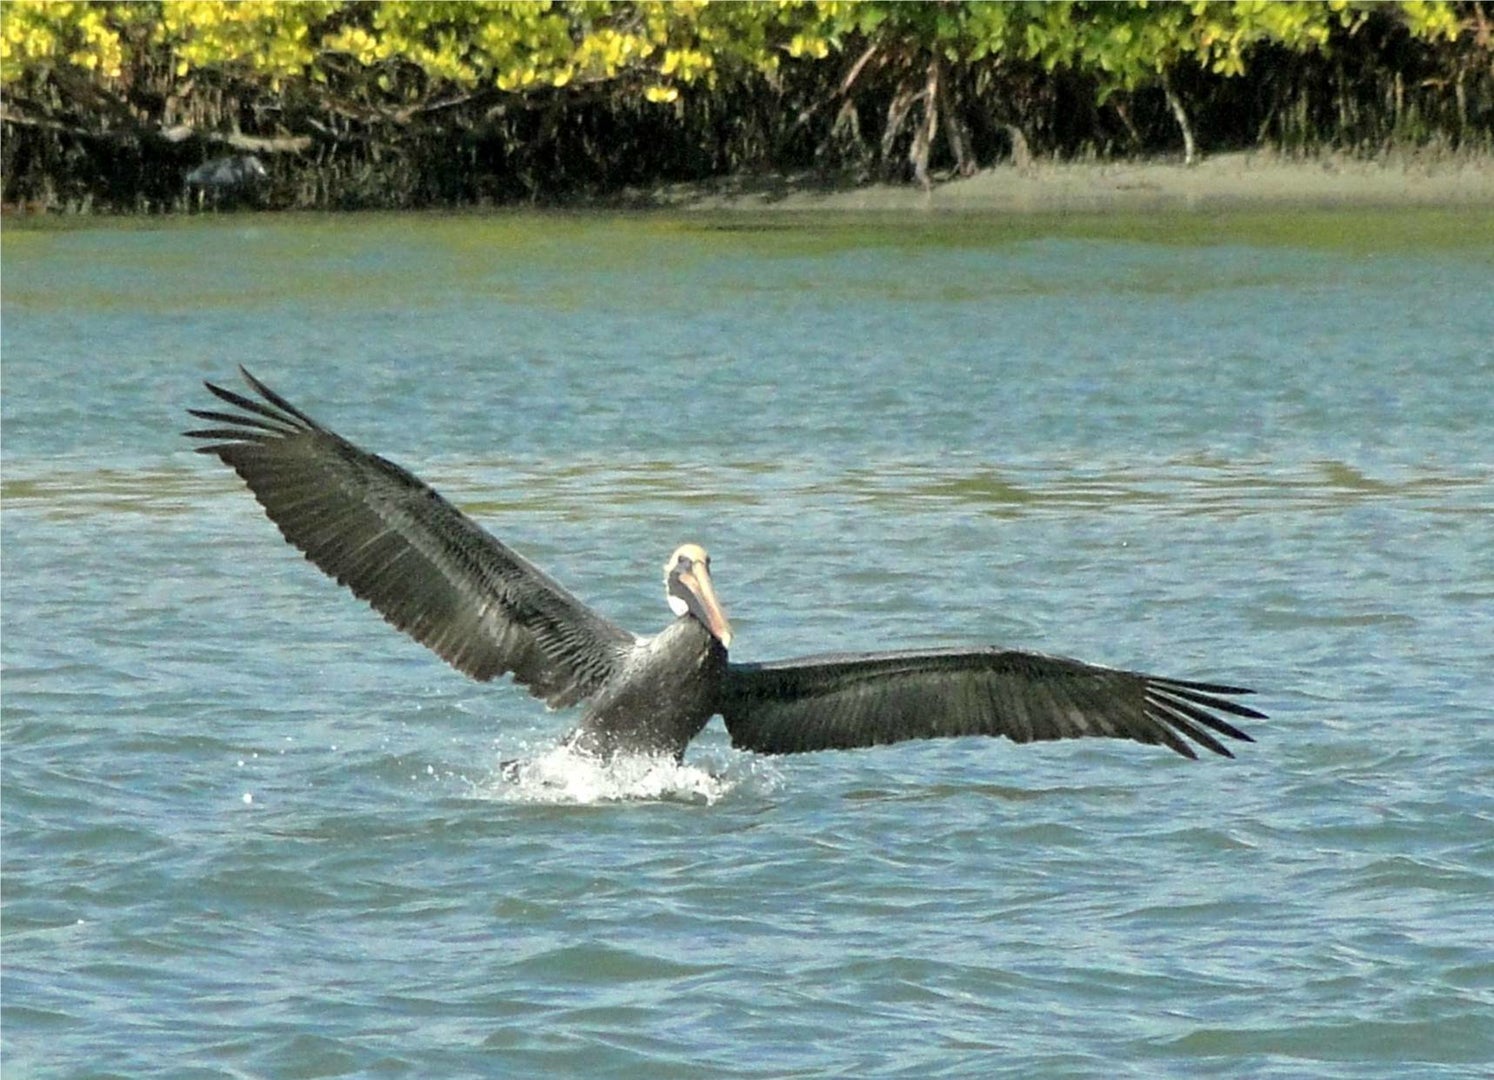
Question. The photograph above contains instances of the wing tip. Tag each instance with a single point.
(1192, 708)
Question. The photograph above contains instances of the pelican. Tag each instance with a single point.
(437, 575)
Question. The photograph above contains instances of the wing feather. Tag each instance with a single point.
(846, 700)
(426, 567)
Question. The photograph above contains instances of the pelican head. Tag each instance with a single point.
(687, 586)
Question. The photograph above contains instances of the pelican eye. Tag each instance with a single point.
(684, 564)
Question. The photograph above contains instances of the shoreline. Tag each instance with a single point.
(1240, 180)
(1236, 180)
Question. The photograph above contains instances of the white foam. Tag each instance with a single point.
(562, 775)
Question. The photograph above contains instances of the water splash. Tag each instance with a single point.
(561, 775)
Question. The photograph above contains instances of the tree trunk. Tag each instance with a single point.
(897, 114)
(1021, 154)
(954, 131)
(1190, 148)
(923, 135)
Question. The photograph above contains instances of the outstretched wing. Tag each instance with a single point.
(843, 701)
(421, 563)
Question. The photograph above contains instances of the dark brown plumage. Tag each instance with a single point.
(438, 576)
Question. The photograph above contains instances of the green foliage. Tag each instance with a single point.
(38, 34)
(1133, 44)
(649, 45)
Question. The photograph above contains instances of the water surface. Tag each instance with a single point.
(249, 830)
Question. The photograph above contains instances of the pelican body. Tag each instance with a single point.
(665, 691)
(433, 573)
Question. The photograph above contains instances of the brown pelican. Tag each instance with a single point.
(438, 576)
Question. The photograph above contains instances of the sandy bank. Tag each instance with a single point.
(1225, 180)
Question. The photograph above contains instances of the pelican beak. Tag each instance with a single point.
(701, 599)
(688, 582)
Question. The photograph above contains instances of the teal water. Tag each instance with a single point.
(248, 830)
